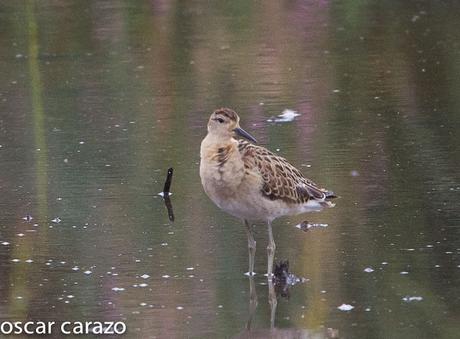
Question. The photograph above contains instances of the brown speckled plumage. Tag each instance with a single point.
(252, 183)
(280, 179)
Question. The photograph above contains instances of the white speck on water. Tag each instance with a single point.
(345, 307)
(29, 261)
(81, 142)
(164, 244)
(75, 268)
(368, 270)
(145, 276)
(165, 276)
(180, 307)
(5, 243)
(118, 289)
(354, 173)
(384, 263)
(15, 260)
(70, 296)
(137, 260)
(20, 234)
(404, 272)
(190, 268)
(143, 285)
(56, 220)
(162, 194)
(336, 91)
(220, 306)
(87, 272)
(143, 304)
(287, 115)
(19, 297)
(408, 298)
(367, 309)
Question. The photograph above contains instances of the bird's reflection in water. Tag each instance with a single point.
(278, 287)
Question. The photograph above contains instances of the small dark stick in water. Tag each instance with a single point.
(166, 194)
(168, 182)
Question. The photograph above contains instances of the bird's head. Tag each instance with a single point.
(225, 123)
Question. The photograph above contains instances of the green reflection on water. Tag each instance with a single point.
(20, 278)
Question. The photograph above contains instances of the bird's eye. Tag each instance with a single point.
(220, 120)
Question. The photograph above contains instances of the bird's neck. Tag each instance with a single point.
(213, 144)
(219, 140)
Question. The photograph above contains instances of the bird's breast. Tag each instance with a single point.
(221, 171)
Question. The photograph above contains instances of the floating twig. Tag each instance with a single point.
(305, 225)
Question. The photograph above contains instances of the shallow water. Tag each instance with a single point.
(98, 99)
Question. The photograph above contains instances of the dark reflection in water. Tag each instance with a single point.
(99, 98)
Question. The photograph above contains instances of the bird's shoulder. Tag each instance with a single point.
(280, 179)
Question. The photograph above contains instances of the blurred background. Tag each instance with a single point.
(99, 98)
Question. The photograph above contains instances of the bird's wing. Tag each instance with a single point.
(280, 179)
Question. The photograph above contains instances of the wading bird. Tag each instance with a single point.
(251, 183)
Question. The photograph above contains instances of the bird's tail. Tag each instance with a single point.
(330, 195)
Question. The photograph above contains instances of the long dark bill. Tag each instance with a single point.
(241, 132)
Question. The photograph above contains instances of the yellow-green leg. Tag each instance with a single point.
(251, 247)
(270, 250)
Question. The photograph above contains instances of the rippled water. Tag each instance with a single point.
(98, 99)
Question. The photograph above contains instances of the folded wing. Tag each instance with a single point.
(280, 179)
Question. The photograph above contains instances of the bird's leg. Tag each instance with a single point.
(251, 247)
(270, 250)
